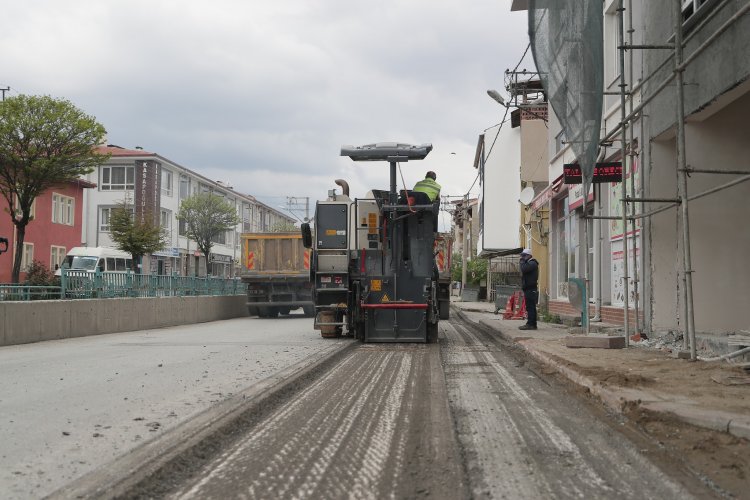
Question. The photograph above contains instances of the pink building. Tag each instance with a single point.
(55, 228)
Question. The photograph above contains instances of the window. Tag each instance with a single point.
(117, 178)
(28, 256)
(694, 10)
(165, 221)
(246, 218)
(32, 212)
(63, 209)
(166, 182)
(57, 256)
(104, 219)
(104, 215)
(567, 234)
(220, 238)
(182, 227)
(184, 187)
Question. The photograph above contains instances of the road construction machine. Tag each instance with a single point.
(380, 271)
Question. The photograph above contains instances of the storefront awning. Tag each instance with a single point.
(547, 194)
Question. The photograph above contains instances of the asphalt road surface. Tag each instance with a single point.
(70, 406)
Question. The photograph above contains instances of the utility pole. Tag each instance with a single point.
(4, 90)
(294, 203)
(464, 250)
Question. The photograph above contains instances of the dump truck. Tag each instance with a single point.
(276, 268)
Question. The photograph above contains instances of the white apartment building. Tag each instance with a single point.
(150, 181)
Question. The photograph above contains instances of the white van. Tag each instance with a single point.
(93, 258)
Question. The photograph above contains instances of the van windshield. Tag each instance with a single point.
(85, 263)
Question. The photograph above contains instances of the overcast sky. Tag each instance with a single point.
(263, 93)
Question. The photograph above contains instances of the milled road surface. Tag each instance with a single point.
(70, 406)
(523, 439)
(378, 426)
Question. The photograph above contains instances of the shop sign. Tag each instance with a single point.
(147, 190)
(603, 172)
(168, 252)
(216, 257)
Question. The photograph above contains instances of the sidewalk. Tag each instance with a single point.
(636, 378)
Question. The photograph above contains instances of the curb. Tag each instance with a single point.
(621, 399)
(164, 455)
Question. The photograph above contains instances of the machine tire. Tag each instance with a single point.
(252, 311)
(444, 308)
(284, 310)
(432, 333)
(359, 331)
(309, 311)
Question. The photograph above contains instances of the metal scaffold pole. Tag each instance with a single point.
(682, 180)
(636, 274)
(625, 169)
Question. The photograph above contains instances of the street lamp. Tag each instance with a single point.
(496, 96)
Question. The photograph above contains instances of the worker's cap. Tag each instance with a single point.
(526, 251)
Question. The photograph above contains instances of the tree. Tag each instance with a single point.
(137, 237)
(43, 142)
(206, 216)
(284, 227)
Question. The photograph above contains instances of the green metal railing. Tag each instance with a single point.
(25, 292)
(97, 285)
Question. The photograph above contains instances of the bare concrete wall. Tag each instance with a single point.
(718, 226)
(25, 322)
(718, 69)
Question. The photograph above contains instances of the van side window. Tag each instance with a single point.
(128, 264)
(120, 264)
(100, 265)
(110, 263)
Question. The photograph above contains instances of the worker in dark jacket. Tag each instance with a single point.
(530, 287)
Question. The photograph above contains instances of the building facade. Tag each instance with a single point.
(653, 281)
(155, 186)
(58, 219)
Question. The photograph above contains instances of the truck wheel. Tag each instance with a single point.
(309, 311)
(284, 310)
(268, 312)
(252, 311)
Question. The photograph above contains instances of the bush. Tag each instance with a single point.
(38, 275)
(476, 269)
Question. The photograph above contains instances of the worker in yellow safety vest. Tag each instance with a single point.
(428, 186)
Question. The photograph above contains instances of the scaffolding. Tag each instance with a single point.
(629, 201)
